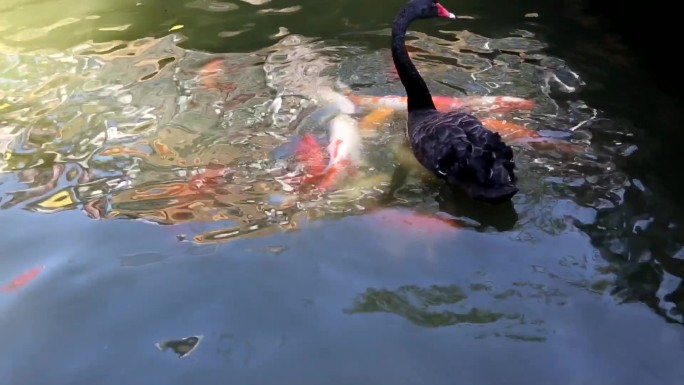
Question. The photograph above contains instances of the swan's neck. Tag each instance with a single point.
(417, 92)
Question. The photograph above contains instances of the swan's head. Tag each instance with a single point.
(427, 9)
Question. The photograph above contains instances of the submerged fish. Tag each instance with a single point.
(208, 76)
(344, 153)
(521, 134)
(22, 279)
(416, 222)
(445, 103)
(382, 107)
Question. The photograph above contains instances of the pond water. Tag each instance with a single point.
(147, 213)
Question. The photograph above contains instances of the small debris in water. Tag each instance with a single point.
(276, 249)
(256, 2)
(176, 27)
(292, 9)
(230, 33)
(140, 259)
(117, 28)
(285, 186)
(183, 347)
(282, 31)
(638, 184)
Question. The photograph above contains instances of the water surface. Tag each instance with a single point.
(144, 189)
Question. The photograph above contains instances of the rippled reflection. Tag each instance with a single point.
(148, 130)
(439, 306)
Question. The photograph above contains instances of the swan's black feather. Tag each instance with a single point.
(457, 148)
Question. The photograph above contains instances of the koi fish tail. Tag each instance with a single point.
(329, 177)
(508, 130)
(516, 132)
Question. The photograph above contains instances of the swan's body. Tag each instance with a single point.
(454, 146)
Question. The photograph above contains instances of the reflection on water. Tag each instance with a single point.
(204, 144)
(147, 130)
(430, 307)
(400, 302)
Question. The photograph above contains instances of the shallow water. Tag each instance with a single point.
(144, 188)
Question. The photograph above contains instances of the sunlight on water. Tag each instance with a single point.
(149, 130)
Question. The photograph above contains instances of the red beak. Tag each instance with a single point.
(443, 12)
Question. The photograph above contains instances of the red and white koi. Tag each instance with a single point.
(344, 153)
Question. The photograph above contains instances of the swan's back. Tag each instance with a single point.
(456, 147)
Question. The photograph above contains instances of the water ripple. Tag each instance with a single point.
(148, 130)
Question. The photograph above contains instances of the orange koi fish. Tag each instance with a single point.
(407, 220)
(510, 131)
(22, 279)
(122, 151)
(445, 103)
(208, 74)
(517, 133)
(385, 106)
(162, 149)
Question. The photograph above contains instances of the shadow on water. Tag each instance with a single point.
(501, 217)
(146, 170)
(455, 202)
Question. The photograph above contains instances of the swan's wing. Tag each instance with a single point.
(457, 145)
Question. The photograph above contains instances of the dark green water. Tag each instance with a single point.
(104, 125)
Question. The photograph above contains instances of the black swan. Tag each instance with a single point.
(454, 146)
